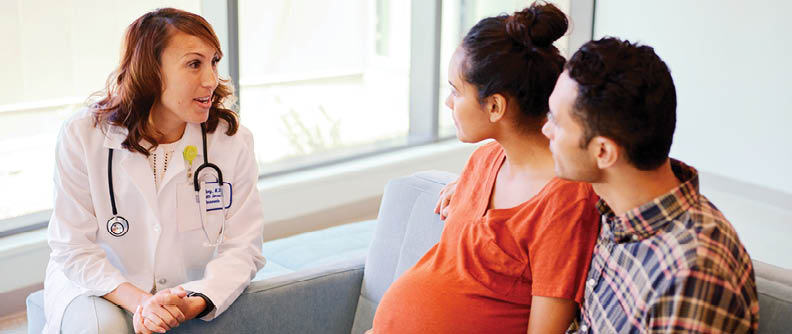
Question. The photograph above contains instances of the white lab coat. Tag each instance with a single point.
(163, 247)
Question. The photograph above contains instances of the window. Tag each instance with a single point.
(55, 54)
(323, 80)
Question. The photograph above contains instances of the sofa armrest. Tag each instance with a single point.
(317, 300)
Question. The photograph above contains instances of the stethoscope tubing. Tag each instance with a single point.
(206, 163)
(196, 185)
(110, 181)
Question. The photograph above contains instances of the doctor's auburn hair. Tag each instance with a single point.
(136, 84)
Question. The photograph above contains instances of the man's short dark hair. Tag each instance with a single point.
(625, 93)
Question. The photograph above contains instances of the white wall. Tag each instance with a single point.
(730, 63)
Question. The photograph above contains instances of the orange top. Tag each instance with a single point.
(481, 275)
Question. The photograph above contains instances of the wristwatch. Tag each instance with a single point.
(209, 305)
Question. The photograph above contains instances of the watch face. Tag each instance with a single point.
(117, 226)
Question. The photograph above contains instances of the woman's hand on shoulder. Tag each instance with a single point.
(442, 207)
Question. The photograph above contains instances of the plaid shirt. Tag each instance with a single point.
(673, 265)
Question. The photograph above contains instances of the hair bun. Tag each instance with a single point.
(538, 25)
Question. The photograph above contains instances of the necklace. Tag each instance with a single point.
(154, 166)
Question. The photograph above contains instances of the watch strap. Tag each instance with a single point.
(209, 305)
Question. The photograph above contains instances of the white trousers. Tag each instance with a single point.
(92, 314)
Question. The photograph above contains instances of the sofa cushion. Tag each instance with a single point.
(313, 249)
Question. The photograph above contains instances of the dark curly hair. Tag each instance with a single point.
(514, 55)
(625, 93)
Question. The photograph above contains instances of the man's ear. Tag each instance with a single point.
(605, 151)
(496, 107)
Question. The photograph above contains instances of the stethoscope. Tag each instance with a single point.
(118, 226)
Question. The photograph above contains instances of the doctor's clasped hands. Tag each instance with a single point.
(165, 310)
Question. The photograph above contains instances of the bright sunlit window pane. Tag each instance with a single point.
(55, 54)
(320, 80)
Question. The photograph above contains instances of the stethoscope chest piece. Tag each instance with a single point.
(117, 226)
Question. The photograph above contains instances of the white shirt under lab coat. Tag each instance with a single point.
(164, 246)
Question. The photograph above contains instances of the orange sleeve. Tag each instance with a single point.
(561, 251)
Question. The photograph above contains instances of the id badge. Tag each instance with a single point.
(215, 196)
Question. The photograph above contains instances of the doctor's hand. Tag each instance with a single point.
(189, 306)
(160, 312)
(445, 199)
(174, 300)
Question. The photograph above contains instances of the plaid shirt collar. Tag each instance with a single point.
(644, 221)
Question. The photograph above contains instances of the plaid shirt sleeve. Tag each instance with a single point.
(700, 302)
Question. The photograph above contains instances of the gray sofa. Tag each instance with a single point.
(338, 287)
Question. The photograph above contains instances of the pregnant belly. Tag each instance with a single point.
(422, 301)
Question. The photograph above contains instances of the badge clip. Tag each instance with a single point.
(189, 154)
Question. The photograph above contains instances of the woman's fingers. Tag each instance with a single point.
(177, 291)
(172, 301)
(137, 322)
(159, 316)
(151, 321)
(444, 207)
(168, 299)
(176, 312)
(152, 326)
(440, 198)
(445, 198)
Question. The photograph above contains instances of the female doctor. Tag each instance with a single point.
(157, 219)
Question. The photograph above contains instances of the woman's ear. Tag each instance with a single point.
(496, 107)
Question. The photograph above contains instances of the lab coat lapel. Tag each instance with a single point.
(135, 166)
(192, 136)
(114, 136)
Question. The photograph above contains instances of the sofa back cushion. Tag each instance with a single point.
(406, 228)
(774, 285)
